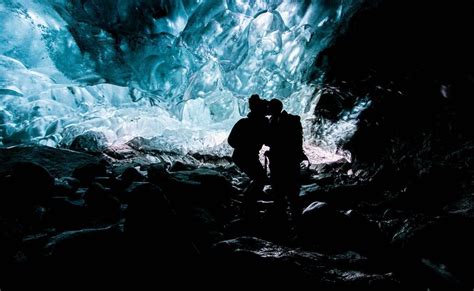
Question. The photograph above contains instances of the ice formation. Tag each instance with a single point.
(177, 71)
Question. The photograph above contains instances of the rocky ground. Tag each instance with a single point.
(127, 214)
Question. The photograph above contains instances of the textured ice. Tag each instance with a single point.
(177, 72)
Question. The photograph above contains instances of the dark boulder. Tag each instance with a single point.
(64, 189)
(158, 173)
(11, 235)
(155, 231)
(202, 186)
(67, 213)
(128, 177)
(180, 166)
(25, 185)
(131, 175)
(441, 241)
(149, 209)
(52, 159)
(101, 204)
(87, 173)
(323, 225)
(329, 228)
(90, 142)
(204, 229)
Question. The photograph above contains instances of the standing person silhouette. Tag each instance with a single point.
(247, 138)
(285, 139)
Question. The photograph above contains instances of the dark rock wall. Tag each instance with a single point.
(414, 60)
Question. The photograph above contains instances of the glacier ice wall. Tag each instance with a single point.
(175, 71)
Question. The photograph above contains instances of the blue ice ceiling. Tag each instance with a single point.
(178, 72)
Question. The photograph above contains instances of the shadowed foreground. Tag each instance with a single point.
(129, 218)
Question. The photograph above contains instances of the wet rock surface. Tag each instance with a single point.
(260, 260)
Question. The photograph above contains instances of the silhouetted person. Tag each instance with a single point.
(247, 138)
(285, 139)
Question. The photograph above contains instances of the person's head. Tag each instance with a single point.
(275, 107)
(254, 102)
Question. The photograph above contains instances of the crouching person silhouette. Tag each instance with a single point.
(247, 138)
(285, 139)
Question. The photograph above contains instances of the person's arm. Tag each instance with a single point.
(235, 136)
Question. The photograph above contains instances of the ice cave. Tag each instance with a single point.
(177, 73)
(116, 165)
